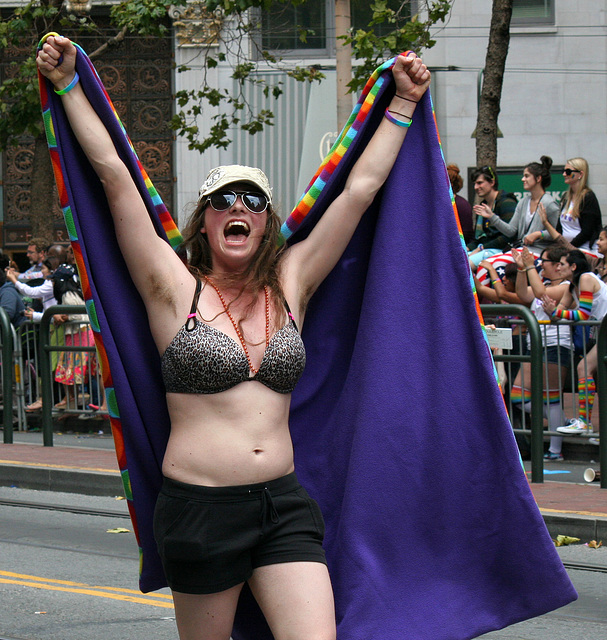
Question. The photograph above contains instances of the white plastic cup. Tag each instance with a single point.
(590, 475)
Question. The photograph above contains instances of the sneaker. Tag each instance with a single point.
(553, 457)
(575, 426)
(594, 441)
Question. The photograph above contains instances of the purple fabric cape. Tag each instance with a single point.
(399, 427)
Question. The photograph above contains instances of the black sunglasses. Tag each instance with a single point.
(254, 202)
(568, 171)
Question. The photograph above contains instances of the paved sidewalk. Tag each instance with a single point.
(86, 464)
(78, 463)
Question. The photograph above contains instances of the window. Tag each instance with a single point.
(281, 28)
(362, 14)
(532, 12)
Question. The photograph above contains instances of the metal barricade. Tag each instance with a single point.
(46, 348)
(28, 352)
(521, 317)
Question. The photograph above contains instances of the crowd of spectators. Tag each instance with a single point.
(52, 279)
(549, 256)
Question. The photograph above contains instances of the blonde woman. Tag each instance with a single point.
(580, 221)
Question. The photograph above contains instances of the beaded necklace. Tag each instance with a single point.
(238, 333)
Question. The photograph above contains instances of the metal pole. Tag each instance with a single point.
(537, 421)
(7, 375)
(601, 346)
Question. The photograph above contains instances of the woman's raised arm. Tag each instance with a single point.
(307, 263)
(127, 207)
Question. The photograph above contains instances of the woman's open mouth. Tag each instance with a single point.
(236, 231)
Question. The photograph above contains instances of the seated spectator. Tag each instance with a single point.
(36, 254)
(532, 288)
(596, 262)
(489, 240)
(464, 208)
(11, 301)
(503, 288)
(586, 299)
(580, 221)
(43, 292)
(525, 226)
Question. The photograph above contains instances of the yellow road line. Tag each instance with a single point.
(36, 582)
(57, 466)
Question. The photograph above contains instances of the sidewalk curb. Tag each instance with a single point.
(584, 527)
(91, 483)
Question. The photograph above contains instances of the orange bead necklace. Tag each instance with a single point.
(235, 325)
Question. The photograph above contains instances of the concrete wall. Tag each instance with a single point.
(554, 94)
(554, 100)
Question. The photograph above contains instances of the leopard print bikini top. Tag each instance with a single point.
(202, 359)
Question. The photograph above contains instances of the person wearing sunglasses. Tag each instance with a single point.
(586, 299)
(489, 241)
(227, 329)
(533, 288)
(526, 225)
(580, 221)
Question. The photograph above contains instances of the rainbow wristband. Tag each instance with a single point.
(70, 86)
(399, 123)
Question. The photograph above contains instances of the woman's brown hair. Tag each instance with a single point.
(263, 269)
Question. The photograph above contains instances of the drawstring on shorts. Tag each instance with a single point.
(267, 510)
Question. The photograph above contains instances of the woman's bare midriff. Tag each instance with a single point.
(239, 436)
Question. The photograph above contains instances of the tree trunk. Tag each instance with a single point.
(343, 62)
(491, 94)
(42, 192)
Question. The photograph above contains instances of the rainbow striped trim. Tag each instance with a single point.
(172, 233)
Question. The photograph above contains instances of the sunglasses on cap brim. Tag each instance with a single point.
(224, 199)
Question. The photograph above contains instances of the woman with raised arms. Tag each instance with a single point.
(227, 328)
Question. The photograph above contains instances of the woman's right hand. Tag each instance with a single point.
(487, 265)
(60, 74)
(528, 257)
(541, 209)
(518, 258)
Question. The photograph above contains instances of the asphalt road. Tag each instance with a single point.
(64, 576)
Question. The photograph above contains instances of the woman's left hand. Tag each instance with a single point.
(532, 238)
(411, 76)
(549, 304)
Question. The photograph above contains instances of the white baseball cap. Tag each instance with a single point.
(222, 176)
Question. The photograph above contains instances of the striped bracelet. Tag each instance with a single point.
(400, 123)
(70, 86)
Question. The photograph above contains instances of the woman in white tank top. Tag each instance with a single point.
(586, 299)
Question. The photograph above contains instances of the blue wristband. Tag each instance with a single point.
(70, 86)
(400, 123)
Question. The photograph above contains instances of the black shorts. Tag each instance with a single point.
(211, 538)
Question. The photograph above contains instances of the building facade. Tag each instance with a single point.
(554, 98)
